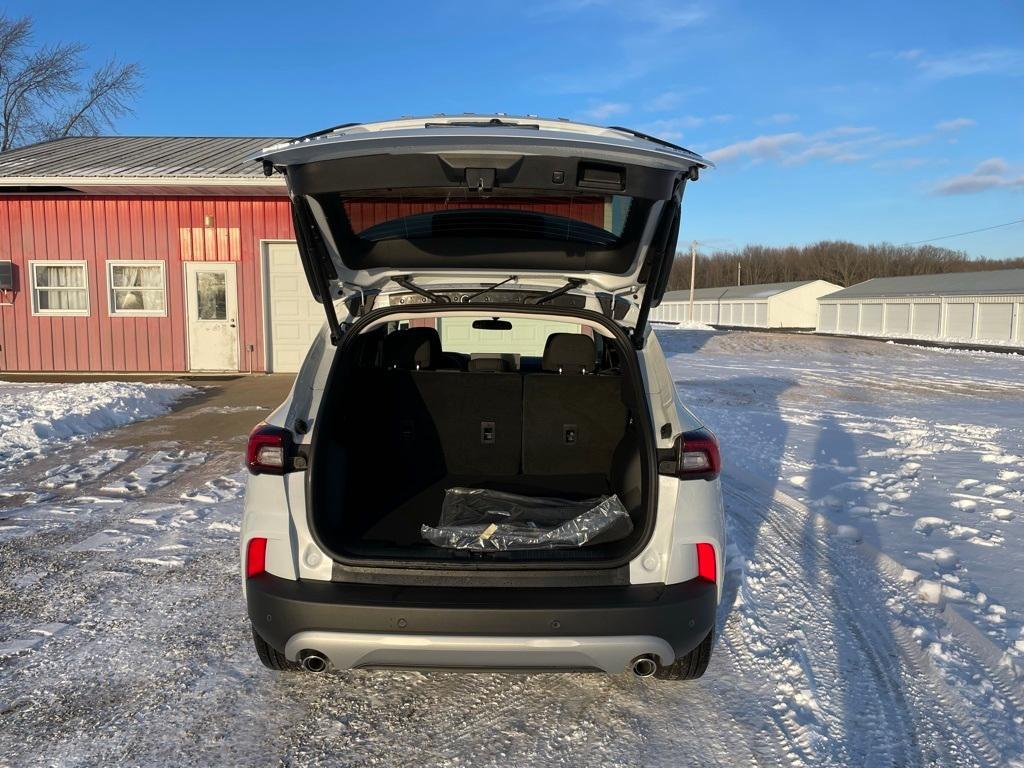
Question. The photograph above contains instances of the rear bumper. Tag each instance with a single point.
(361, 625)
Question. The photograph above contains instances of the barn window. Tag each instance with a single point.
(59, 287)
(137, 287)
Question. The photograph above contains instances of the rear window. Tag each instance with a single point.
(526, 338)
(591, 219)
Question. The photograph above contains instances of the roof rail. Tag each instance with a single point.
(649, 138)
(324, 131)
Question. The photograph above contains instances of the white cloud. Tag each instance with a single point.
(843, 144)
(673, 128)
(964, 63)
(665, 100)
(757, 149)
(669, 18)
(779, 118)
(956, 124)
(910, 54)
(993, 173)
(901, 163)
(907, 141)
(645, 41)
(994, 165)
(606, 109)
(846, 130)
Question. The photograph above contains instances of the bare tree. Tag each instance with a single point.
(45, 92)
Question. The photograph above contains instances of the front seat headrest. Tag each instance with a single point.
(569, 353)
(412, 349)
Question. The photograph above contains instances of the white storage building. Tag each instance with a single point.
(768, 305)
(984, 308)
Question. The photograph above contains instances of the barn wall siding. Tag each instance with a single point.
(94, 229)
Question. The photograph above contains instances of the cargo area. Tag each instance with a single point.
(407, 419)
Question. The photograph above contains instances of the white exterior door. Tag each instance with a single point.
(293, 317)
(211, 304)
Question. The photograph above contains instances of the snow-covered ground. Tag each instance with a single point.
(871, 617)
(33, 416)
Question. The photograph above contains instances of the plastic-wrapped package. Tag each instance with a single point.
(480, 519)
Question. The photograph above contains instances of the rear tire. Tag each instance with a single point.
(692, 665)
(271, 657)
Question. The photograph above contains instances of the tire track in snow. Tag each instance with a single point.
(804, 658)
(921, 709)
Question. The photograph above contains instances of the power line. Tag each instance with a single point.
(969, 232)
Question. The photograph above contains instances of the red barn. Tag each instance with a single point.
(148, 254)
(160, 255)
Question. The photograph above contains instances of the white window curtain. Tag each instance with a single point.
(60, 288)
(137, 288)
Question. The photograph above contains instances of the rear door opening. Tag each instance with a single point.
(554, 410)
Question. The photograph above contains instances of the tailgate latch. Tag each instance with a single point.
(480, 179)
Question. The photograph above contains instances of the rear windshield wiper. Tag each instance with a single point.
(490, 288)
(574, 282)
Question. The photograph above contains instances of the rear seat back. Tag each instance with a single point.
(478, 417)
(567, 420)
(473, 419)
(573, 419)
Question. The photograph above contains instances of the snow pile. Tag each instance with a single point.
(32, 415)
(682, 325)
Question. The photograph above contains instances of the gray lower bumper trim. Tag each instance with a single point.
(347, 650)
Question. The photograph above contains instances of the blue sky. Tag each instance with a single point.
(866, 121)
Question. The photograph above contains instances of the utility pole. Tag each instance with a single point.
(693, 273)
(739, 273)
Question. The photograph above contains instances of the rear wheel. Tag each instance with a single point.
(692, 665)
(271, 657)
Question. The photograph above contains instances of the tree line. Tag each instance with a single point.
(837, 261)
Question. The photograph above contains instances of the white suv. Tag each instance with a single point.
(483, 463)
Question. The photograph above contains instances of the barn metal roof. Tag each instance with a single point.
(759, 291)
(151, 157)
(999, 281)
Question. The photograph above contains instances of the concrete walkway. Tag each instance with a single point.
(218, 417)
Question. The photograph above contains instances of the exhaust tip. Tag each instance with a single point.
(314, 662)
(644, 667)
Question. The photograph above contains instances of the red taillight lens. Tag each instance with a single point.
(256, 558)
(707, 569)
(697, 455)
(267, 451)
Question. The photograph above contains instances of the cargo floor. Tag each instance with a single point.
(401, 526)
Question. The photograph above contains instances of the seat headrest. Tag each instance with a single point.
(412, 349)
(490, 364)
(569, 353)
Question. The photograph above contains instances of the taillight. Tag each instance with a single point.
(256, 558)
(707, 568)
(268, 450)
(695, 455)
